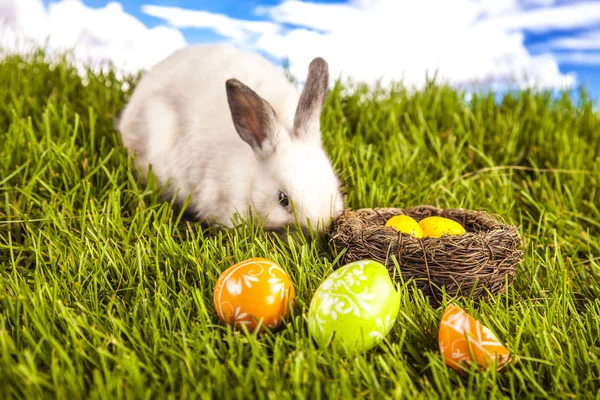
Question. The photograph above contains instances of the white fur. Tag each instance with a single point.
(178, 120)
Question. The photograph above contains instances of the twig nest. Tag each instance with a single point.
(480, 262)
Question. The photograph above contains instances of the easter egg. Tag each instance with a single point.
(405, 224)
(253, 291)
(463, 339)
(436, 227)
(356, 306)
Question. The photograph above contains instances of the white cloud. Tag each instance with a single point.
(539, 2)
(222, 24)
(321, 16)
(95, 35)
(19, 19)
(576, 14)
(588, 41)
(466, 42)
(580, 58)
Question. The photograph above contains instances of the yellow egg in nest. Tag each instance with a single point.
(436, 227)
(405, 224)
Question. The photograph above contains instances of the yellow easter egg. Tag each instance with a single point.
(436, 227)
(405, 224)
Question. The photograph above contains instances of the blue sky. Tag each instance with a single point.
(587, 75)
(497, 43)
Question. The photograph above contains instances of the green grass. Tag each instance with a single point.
(106, 293)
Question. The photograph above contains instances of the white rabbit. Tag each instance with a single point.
(208, 135)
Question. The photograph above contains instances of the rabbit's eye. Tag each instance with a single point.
(284, 200)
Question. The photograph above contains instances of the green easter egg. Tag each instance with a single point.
(355, 306)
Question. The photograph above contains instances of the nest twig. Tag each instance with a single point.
(479, 262)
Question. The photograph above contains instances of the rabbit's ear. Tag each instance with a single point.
(254, 118)
(310, 105)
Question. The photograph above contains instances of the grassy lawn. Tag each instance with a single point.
(105, 292)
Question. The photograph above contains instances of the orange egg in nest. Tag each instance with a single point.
(253, 292)
(464, 340)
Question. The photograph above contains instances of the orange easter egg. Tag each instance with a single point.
(253, 291)
(463, 339)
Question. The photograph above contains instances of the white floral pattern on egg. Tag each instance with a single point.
(463, 339)
(356, 306)
(253, 291)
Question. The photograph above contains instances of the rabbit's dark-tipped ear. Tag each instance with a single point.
(254, 119)
(308, 114)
